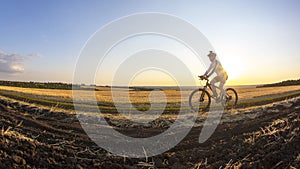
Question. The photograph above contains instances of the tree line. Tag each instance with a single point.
(283, 83)
(42, 85)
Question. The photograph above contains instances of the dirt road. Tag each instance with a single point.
(266, 137)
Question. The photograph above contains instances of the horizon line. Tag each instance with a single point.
(106, 85)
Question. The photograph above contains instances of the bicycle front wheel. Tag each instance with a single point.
(199, 100)
(231, 98)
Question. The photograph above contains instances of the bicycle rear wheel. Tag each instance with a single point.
(199, 100)
(231, 98)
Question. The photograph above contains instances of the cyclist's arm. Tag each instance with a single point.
(211, 69)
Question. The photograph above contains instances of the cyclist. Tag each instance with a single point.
(216, 67)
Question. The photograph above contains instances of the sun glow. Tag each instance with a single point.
(233, 66)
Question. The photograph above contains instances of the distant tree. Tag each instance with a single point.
(283, 83)
(46, 85)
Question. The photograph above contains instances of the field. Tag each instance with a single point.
(248, 96)
(39, 129)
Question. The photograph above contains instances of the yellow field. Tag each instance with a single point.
(142, 96)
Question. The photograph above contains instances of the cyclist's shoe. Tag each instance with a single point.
(224, 102)
(218, 100)
(214, 96)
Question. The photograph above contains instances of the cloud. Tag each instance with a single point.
(13, 63)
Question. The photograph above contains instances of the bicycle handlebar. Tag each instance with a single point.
(203, 77)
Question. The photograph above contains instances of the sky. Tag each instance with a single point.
(256, 41)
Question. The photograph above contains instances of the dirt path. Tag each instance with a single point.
(266, 137)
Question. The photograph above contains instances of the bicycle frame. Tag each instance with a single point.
(209, 85)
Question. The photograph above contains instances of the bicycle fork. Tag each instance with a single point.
(202, 95)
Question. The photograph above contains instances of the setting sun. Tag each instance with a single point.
(234, 67)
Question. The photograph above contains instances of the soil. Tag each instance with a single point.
(32, 137)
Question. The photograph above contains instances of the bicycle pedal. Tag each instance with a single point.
(214, 97)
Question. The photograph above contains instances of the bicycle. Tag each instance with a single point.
(200, 99)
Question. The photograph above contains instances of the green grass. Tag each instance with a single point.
(267, 100)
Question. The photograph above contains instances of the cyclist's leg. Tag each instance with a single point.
(213, 88)
(222, 84)
(222, 90)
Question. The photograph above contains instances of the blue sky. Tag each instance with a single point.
(42, 39)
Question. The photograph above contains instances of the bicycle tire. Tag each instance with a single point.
(232, 101)
(195, 102)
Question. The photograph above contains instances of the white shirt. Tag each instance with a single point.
(216, 67)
